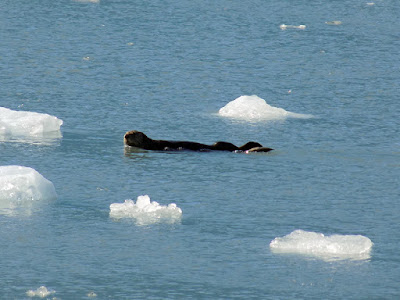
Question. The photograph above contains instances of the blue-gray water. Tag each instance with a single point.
(166, 68)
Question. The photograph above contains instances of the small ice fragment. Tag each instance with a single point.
(40, 292)
(92, 295)
(145, 211)
(333, 22)
(334, 247)
(284, 26)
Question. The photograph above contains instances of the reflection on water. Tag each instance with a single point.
(134, 153)
(51, 139)
(12, 208)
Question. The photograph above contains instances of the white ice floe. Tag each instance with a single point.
(21, 186)
(284, 26)
(22, 124)
(145, 211)
(334, 247)
(40, 292)
(254, 108)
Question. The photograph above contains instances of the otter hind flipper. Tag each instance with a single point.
(259, 149)
(250, 145)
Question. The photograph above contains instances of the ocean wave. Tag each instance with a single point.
(87, 1)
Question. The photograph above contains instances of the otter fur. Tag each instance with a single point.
(138, 139)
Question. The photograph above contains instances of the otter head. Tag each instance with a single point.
(136, 138)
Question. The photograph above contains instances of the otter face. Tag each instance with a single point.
(135, 138)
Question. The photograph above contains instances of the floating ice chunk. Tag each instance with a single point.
(40, 292)
(333, 22)
(284, 26)
(92, 294)
(334, 247)
(145, 211)
(19, 183)
(253, 108)
(24, 123)
(20, 186)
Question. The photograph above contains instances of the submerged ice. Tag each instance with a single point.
(27, 124)
(145, 211)
(20, 186)
(336, 246)
(254, 108)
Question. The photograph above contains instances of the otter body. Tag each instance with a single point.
(140, 140)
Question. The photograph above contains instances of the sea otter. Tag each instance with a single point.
(138, 139)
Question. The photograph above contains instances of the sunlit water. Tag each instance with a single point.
(167, 68)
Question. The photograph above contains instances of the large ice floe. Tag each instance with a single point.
(20, 187)
(41, 292)
(254, 108)
(28, 126)
(334, 247)
(146, 212)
